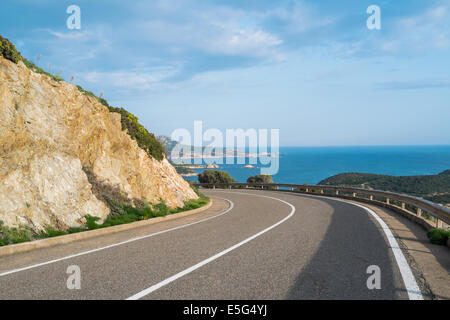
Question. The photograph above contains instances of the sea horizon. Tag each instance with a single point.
(312, 164)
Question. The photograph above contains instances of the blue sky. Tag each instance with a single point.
(309, 68)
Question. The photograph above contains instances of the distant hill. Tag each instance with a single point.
(435, 188)
(170, 144)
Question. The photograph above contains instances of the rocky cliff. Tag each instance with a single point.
(49, 133)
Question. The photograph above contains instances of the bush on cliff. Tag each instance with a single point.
(9, 51)
(146, 140)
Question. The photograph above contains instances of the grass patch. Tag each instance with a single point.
(132, 214)
(128, 214)
(125, 210)
(50, 233)
(36, 69)
(14, 235)
(439, 236)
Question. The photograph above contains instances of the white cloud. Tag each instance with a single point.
(136, 80)
(299, 16)
(430, 29)
(72, 35)
(229, 31)
(216, 32)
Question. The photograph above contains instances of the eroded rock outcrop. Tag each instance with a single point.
(49, 131)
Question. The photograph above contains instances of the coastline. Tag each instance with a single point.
(313, 164)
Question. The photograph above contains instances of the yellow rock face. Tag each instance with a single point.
(48, 132)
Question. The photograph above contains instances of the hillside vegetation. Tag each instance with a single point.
(435, 188)
(146, 140)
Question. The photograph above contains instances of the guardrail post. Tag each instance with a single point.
(419, 212)
(403, 206)
(337, 192)
(354, 194)
(388, 201)
(371, 198)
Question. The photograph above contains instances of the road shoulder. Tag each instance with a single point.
(430, 262)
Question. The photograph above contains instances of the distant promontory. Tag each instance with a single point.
(435, 188)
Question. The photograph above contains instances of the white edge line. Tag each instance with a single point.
(214, 257)
(119, 243)
(409, 280)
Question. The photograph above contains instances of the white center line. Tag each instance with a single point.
(214, 257)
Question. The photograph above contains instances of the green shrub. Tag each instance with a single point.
(161, 208)
(260, 178)
(196, 203)
(439, 236)
(216, 177)
(50, 232)
(91, 222)
(76, 230)
(9, 51)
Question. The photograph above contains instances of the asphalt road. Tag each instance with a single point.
(248, 245)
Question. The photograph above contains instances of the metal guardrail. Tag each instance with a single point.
(422, 207)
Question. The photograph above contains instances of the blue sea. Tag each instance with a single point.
(298, 165)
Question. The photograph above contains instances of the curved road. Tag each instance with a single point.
(248, 245)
